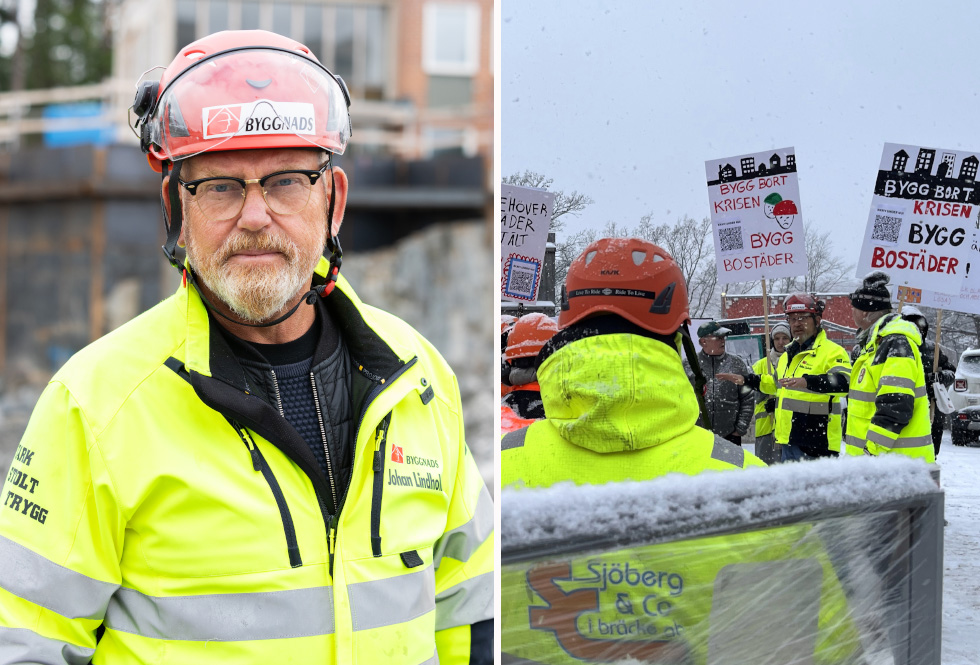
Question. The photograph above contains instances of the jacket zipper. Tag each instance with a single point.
(380, 438)
(330, 519)
(323, 439)
(275, 386)
(332, 523)
(259, 464)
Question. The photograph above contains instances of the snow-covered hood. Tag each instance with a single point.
(611, 393)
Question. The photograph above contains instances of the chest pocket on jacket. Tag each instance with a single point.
(411, 481)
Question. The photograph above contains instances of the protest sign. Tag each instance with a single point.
(756, 216)
(967, 300)
(525, 216)
(922, 218)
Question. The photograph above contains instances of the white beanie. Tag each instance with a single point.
(780, 326)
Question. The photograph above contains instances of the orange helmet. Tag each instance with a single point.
(630, 277)
(507, 322)
(803, 303)
(530, 333)
(241, 90)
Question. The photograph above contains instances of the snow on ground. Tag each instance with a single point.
(960, 478)
(961, 583)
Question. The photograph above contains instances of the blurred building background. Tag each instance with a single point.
(80, 222)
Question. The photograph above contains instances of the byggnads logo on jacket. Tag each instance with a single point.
(399, 457)
(406, 478)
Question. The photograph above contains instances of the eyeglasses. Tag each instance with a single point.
(798, 318)
(285, 192)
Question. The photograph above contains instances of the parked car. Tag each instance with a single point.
(965, 395)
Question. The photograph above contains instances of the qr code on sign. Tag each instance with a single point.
(730, 239)
(886, 228)
(521, 277)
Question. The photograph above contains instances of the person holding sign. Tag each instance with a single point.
(810, 379)
(765, 405)
(617, 403)
(888, 410)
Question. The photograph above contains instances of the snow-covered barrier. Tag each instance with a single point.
(827, 562)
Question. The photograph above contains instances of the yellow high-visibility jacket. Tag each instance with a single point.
(764, 421)
(887, 406)
(618, 407)
(802, 415)
(155, 494)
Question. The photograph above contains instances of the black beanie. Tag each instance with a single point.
(872, 295)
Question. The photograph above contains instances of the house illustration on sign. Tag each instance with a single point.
(958, 185)
(748, 168)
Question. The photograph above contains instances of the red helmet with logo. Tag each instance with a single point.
(240, 90)
(630, 277)
(803, 303)
(530, 333)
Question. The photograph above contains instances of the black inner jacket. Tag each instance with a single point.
(244, 395)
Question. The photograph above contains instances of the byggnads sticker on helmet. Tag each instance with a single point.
(260, 117)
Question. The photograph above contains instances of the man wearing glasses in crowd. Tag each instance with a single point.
(810, 379)
(261, 468)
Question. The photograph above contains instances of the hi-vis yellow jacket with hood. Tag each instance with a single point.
(887, 406)
(618, 407)
(763, 419)
(152, 494)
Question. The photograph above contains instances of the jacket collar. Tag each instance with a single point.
(208, 354)
(892, 324)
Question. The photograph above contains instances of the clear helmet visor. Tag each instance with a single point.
(250, 99)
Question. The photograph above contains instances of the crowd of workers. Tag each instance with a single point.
(616, 390)
(618, 374)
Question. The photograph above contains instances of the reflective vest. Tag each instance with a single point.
(823, 357)
(186, 530)
(886, 370)
(764, 421)
(618, 407)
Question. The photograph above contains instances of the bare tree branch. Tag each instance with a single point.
(571, 203)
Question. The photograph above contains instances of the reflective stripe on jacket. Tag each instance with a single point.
(805, 417)
(618, 407)
(887, 406)
(193, 532)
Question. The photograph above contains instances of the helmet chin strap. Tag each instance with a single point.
(322, 286)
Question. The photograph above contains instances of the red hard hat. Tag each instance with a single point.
(530, 333)
(507, 322)
(241, 90)
(630, 277)
(804, 303)
(785, 208)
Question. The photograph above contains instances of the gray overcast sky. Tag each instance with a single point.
(625, 101)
